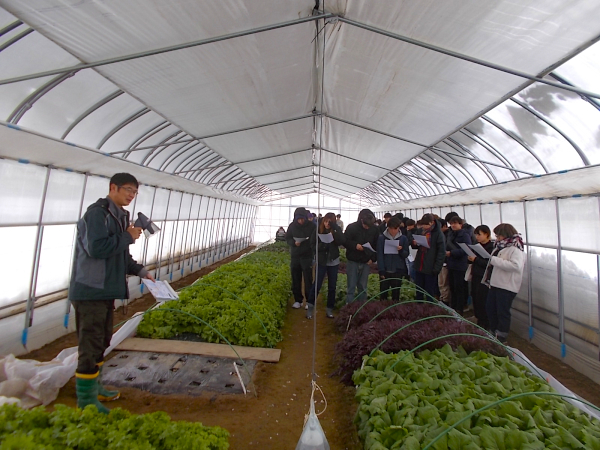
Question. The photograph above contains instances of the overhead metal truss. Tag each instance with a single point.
(434, 171)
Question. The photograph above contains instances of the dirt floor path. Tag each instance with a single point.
(275, 418)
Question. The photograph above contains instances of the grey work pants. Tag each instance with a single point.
(94, 322)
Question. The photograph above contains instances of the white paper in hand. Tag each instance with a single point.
(300, 239)
(326, 238)
(391, 247)
(480, 251)
(466, 249)
(161, 290)
(421, 240)
(368, 245)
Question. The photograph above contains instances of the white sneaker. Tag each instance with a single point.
(297, 305)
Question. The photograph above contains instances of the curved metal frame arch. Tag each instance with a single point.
(480, 164)
(27, 103)
(584, 159)
(176, 136)
(514, 137)
(425, 185)
(491, 150)
(194, 173)
(458, 166)
(147, 135)
(432, 162)
(187, 147)
(122, 125)
(90, 110)
(409, 185)
(195, 154)
(421, 168)
(414, 172)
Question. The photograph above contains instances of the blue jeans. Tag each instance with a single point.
(497, 307)
(426, 282)
(332, 273)
(358, 277)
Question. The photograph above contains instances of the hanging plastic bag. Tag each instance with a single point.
(313, 436)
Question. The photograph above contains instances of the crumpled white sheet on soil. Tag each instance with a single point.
(34, 383)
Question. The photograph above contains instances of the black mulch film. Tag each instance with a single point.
(168, 373)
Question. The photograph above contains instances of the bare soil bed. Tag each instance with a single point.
(274, 419)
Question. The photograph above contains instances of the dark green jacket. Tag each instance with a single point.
(102, 259)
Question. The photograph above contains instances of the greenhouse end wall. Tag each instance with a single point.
(38, 216)
(558, 304)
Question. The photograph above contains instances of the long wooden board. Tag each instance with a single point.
(199, 348)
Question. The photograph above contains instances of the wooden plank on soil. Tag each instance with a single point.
(199, 348)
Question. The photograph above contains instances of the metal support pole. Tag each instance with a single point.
(36, 263)
(193, 247)
(145, 251)
(186, 242)
(561, 294)
(598, 286)
(68, 308)
(174, 240)
(529, 274)
(162, 241)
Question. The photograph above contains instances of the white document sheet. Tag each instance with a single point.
(480, 251)
(300, 239)
(390, 247)
(368, 245)
(466, 249)
(421, 240)
(326, 238)
(161, 290)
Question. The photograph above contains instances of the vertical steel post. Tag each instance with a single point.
(529, 273)
(68, 308)
(162, 240)
(598, 286)
(35, 264)
(561, 296)
(173, 244)
(212, 224)
(189, 236)
(145, 251)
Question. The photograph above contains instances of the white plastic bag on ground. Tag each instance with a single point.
(37, 383)
(313, 436)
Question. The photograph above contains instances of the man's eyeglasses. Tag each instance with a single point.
(129, 190)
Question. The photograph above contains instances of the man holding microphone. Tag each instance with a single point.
(101, 264)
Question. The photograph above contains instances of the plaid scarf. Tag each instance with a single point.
(513, 241)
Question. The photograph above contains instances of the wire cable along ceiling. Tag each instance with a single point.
(418, 99)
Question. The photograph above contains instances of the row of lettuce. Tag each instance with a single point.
(427, 378)
(75, 429)
(242, 303)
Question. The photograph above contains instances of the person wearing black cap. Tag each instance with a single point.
(298, 238)
(359, 255)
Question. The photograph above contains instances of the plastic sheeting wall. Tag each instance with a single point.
(281, 213)
(560, 294)
(39, 209)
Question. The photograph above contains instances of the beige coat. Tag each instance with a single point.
(508, 269)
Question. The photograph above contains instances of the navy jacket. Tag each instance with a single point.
(328, 251)
(102, 259)
(357, 234)
(306, 230)
(392, 263)
(458, 258)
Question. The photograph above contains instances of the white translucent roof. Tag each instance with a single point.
(376, 102)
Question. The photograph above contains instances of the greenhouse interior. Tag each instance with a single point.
(235, 115)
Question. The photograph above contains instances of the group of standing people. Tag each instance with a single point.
(321, 243)
(441, 267)
(444, 270)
